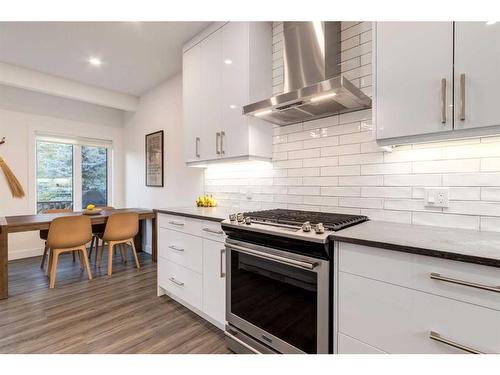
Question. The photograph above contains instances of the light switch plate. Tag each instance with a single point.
(437, 197)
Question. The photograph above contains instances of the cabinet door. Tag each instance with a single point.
(211, 92)
(191, 100)
(412, 60)
(477, 58)
(214, 280)
(235, 49)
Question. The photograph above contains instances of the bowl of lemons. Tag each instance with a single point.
(206, 201)
(91, 209)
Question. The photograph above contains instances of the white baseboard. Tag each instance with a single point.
(25, 253)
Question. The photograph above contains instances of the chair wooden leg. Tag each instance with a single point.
(74, 257)
(92, 245)
(44, 257)
(49, 262)
(96, 250)
(85, 258)
(123, 254)
(53, 271)
(111, 246)
(80, 260)
(135, 253)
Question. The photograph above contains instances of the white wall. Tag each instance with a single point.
(159, 109)
(21, 114)
(334, 164)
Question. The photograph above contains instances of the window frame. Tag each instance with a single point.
(77, 143)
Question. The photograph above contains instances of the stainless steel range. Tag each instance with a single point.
(278, 297)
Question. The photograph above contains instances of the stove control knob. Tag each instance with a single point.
(240, 217)
(320, 229)
(248, 220)
(232, 217)
(306, 227)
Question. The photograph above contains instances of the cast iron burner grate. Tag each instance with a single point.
(331, 221)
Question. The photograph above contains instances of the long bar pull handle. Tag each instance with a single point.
(222, 262)
(443, 100)
(272, 257)
(197, 151)
(222, 135)
(437, 337)
(176, 223)
(491, 288)
(242, 343)
(213, 231)
(172, 279)
(173, 247)
(217, 139)
(462, 97)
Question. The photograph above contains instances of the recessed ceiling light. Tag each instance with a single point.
(95, 61)
(228, 61)
(232, 106)
(491, 22)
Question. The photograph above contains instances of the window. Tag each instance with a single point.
(71, 173)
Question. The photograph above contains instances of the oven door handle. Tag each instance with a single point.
(275, 258)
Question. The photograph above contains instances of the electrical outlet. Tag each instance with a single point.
(437, 197)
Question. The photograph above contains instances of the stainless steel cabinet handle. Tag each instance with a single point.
(217, 140)
(437, 337)
(172, 279)
(491, 288)
(197, 147)
(213, 231)
(173, 247)
(222, 135)
(462, 97)
(179, 224)
(242, 343)
(222, 272)
(275, 258)
(443, 100)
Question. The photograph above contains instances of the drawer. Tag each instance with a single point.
(212, 230)
(414, 271)
(400, 320)
(348, 345)
(180, 223)
(180, 282)
(181, 248)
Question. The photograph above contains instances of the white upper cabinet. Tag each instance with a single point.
(414, 78)
(234, 69)
(234, 88)
(477, 74)
(191, 94)
(211, 88)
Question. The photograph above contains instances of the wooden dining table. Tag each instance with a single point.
(27, 223)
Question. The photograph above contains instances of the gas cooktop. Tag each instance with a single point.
(330, 221)
(302, 225)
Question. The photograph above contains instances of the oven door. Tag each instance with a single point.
(278, 298)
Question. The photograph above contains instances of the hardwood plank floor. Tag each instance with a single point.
(121, 314)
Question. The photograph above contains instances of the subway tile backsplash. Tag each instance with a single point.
(335, 165)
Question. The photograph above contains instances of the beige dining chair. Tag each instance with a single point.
(97, 232)
(44, 233)
(121, 228)
(69, 233)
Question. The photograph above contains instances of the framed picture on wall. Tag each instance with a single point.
(154, 159)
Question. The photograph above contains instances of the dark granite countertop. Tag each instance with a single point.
(449, 243)
(202, 213)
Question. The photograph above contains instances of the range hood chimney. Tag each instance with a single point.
(313, 85)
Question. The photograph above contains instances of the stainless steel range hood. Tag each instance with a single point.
(313, 85)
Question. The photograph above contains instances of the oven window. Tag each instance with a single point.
(277, 298)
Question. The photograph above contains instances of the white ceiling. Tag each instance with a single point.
(136, 55)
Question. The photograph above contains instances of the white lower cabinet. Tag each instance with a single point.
(191, 265)
(214, 280)
(393, 306)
